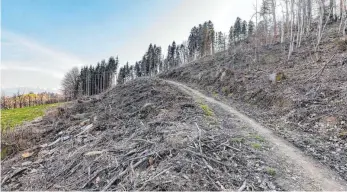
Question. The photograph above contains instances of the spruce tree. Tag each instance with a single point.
(172, 54)
(211, 37)
(244, 29)
(97, 78)
(220, 39)
(131, 73)
(112, 70)
(237, 28)
(102, 76)
(231, 36)
(144, 66)
(120, 79)
(178, 56)
(157, 59)
(250, 28)
(204, 39)
(192, 42)
(200, 40)
(137, 69)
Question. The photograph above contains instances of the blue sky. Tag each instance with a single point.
(42, 39)
(91, 24)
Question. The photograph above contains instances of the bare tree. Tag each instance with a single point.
(309, 14)
(287, 16)
(320, 24)
(291, 47)
(273, 10)
(70, 83)
(332, 10)
(283, 25)
(343, 17)
(341, 9)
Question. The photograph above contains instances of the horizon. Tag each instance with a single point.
(44, 39)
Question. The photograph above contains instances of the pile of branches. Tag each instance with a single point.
(143, 146)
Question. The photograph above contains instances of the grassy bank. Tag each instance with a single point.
(14, 117)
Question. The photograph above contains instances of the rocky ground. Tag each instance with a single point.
(308, 107)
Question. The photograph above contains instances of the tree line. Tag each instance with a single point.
(90, 80)
(202, 41)
(31, 99)
(299, 18)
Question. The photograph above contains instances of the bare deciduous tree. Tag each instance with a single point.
(291, 48)
(70, 83)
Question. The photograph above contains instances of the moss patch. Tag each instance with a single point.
(258, 137)
(271, 171)
(256, 145)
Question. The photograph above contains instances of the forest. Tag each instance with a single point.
(274, 21)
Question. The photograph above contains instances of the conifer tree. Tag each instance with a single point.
(237, 28)
(172, 55)
(231, 36)
(137, 69)
(193, 42)
(250, 27)
(211, 37)
(244, 29)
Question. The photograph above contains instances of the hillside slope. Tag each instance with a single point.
(308, 107)
(151, 135)
(145, 135)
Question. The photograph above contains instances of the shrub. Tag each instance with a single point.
(206, 109)
(271, 171)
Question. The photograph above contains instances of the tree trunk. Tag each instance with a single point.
(256, 32)
(331, 7)
(298, 23)
(291, 47)
(287, 17)
(342, 16)
(273, 7)
(309, 15)
(282, 30)
(341, 9)
(320, 24)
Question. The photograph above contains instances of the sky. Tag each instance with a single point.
(42, 39)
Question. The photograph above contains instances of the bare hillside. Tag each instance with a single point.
(145, 135)
(152, 135)
(306, 106)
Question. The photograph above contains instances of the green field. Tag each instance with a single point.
(14, 117)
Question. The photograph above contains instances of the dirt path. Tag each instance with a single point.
(313, 174)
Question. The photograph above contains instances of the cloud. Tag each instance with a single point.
(172, 21)
(20, 53)
(17, 67)
(14, 78)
